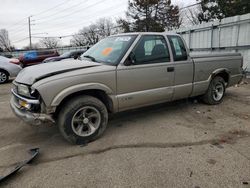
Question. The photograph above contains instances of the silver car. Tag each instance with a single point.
(7, 69)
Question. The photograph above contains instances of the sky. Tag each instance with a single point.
(58, 17)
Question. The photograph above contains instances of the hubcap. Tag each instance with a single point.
(218, 91)
(3, 77)
(86, 121)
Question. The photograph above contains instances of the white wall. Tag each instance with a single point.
(231, 35)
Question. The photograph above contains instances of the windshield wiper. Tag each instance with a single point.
(90, 57)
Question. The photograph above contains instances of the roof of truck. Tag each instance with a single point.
(147, 33)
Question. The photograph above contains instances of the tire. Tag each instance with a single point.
(4, 77)
(215, 92)
(77, 116)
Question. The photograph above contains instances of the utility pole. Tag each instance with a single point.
(30, 32)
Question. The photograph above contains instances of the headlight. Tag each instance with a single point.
(23, 90)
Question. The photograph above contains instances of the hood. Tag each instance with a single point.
(53, 58)
(30, 75)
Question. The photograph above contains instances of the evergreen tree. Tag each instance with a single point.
(219, 9)
(150, 15)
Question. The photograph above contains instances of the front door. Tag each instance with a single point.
(149, 80)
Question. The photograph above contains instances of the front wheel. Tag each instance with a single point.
(215, 92)
(83, 119)
(4, 77)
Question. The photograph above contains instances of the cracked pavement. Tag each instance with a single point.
(177, 144)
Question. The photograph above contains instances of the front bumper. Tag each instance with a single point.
(28, 116)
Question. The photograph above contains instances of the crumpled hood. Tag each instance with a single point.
(30, 75)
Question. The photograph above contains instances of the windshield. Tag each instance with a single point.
(110, 50)
(66, 54)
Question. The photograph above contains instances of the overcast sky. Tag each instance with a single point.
(58, 17)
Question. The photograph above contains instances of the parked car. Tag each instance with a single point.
(8, 68)
(67, 55)
(119, 73)
(36, 57)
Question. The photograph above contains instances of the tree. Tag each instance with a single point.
(219, 9)
(124, 25)
(49, 42)
(105, 27)
(86, 36)
(192, 15)
(4, 40)
(151, 15)
(90, 35)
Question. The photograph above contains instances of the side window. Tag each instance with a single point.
(151, 49)
(41, 53)
(178, 48)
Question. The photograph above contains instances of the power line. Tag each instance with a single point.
(71, 35)
(52, 8)
(68, 15)
(190, 6)
(18, 28)
(81, 23)
(86, 18)
(18, 22)
(61, 11)
(21, 40)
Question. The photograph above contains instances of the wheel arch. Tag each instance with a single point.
(223, 73)
(101, 92)
(4, 70)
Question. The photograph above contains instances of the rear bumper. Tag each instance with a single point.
(25, 115)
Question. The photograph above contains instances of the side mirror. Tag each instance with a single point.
(131, 60)
(75, 56)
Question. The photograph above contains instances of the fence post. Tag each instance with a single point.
(212, 36)
(237, 35)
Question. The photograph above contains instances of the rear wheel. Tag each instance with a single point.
(4, 77)
(83, 119)
(215, 92)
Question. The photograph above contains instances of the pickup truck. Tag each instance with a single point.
(120, 72)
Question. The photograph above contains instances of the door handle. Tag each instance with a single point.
(170, 69)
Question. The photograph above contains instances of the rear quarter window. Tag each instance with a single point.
(178, 48)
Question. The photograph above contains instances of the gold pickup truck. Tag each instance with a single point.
(119, 73)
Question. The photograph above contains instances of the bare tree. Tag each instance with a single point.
(78, 40)
(4, 40)
(105, 27)
(86, 36)
(192, 16)
(49, 42)
(35, 46)
(93, 33)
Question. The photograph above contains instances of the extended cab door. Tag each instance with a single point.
(149, 79)
(184, 67)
